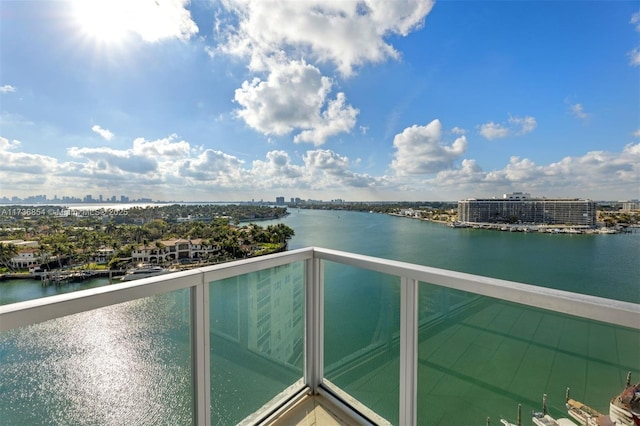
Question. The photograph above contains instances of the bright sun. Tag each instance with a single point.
(104, 20)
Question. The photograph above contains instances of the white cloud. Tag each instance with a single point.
(458, 131)
(213, 167)
(577, 110)
(6, 144)
(326, 160)
(336, 118)
(293, 97)
(523, 125)
(7, 88)
(278, 167)
(468, 174)
(152, 20)
(358, 29)
(21, 168)
(170, 168)
(105, 133)
(112, 160)
(492, 130)
(152, 161)
(596, 174)
(280, 38)
(634, 55)
(165, 148)
(636, 134)
(516, 126)
(328, 169)
(635, 20)
(420, 150)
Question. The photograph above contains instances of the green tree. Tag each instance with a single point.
(7, 252)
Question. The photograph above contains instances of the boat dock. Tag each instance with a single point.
(66, 277)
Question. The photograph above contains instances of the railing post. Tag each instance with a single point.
(314, 324)
(408, 351)
(200, 353)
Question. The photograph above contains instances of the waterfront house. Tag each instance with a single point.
(103, 255)
(28, 253)
(26, 258)
(174, 249)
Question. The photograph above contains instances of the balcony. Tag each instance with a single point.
(361, 339)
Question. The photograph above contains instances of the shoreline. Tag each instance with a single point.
(526, 228)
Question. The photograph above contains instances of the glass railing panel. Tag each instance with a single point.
(123, 364)
(361, 336)
(257, 339)
(480, 357)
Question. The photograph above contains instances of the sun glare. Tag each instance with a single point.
(103, 20)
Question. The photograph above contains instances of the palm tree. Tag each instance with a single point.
(44, 253)
(159, 248)
(7, 252)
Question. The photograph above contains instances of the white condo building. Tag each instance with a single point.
(520, 207)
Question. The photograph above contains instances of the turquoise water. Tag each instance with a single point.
(12, 291)
(601, 265)
(129, 364)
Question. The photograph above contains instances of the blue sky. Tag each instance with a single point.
(359, 100)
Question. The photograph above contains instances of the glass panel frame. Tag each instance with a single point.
(479, 357)
(257, 339)
(362, 336)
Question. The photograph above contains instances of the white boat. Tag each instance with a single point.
(518, 422)
(144, 271)
(544, 419)
(624, 409)
(547, 420)
(583, 414)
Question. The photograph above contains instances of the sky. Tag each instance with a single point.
(364, 100)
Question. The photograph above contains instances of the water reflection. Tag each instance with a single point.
(124, 364)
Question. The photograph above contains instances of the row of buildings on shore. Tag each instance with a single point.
(30, 254)
(523, 212)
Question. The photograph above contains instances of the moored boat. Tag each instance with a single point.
(582, 413)
(544, 419)
(143, 271)
(506, 422)
(624, 409)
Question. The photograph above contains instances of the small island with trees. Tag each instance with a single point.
(53, 238)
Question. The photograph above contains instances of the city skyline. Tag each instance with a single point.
(278, 200)
(238, 100)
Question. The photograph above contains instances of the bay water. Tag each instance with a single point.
(129, 364)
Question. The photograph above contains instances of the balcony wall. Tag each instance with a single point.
(237, 342)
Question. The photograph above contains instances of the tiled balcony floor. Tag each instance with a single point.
(314, 411)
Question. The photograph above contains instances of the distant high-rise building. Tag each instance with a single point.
(628, 206)
(280, 201)
(521, 208)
